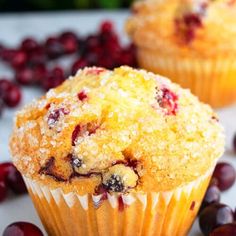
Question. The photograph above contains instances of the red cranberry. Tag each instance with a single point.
(15, 181)
(25, 76)
(54, 48)
(82, 96)
(106, 62)
(234, 143)
(92, 41)
(75, 134)
(225, 175)
(19, 60)
(57, 72)
(168, 101)
(29, 45)
(7, 54)
(39, 72)
(5, 85)
(22, 229)
(13, 96)
(12, 177)
(214, 216)
(212, 195)
(225, 230)
(37, 56)
(106, 26)
(68, 34)
(55, 115)
(69, 42)
(80, 63)
(3, 190)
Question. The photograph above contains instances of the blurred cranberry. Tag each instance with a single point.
(234, 143)
(54, 78)
(80, 63)
(29, 45)
(39, 73)
(126, 58)
(54, 48)
(92, 41)
(13, 96)
(5, 84)
(37, 56)
(25, 76)
(68, 34)
(3, 190)
(15, 181)
(7, 54)
(57, 72)
(212, 195)
(106, 62)
(12, 177)
(225, 230)
(225, 175)
(69, 42)
(19, 60)
(214, 216)
(106, 26)
(22, 229)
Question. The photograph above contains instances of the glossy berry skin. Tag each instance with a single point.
(225, 175)
(15, 181)
(212, 195)
(214, 216)
(19, 60)
(12, 178)
(25, 76)
(3, 190)
(69, 42)
(12, 96)
(22, 229)
(54, 48)
(4, 85)
(80, 63)
(29, 44)
(225, 230)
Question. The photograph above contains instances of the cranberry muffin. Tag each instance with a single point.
(110, 152)
(190, 41)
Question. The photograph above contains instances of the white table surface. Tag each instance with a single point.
(13, 28)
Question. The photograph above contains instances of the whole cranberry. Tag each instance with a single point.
(3, 190)
(106, 26)
(225, 230)
(7, 54)
(105, 62)
(234, 143)
(214, 216)
(19, 59)
(22, 229)
(37, 56)
(25, 76)
(80, 63)
(12, 177)
(54, 48)
(212, 195)
(29, 45)
(92, 41)
(69, 42)
(13, 96)
(5, 85)
(39, 73)
(225, 175)
(57, 72)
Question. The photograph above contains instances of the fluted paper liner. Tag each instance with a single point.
(156, 213)
(213, 80)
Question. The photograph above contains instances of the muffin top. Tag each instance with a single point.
(123, 131)
(186, 27)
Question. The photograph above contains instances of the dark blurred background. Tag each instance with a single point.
(51, 5)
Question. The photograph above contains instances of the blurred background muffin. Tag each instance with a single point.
(190, 41)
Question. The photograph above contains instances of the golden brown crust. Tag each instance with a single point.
(157, 24)
(157, 132)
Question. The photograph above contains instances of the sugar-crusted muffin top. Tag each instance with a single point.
(123, 130)
(197, 27)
